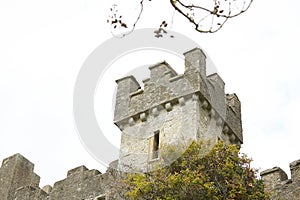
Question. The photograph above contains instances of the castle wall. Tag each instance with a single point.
(19, 182)
(30, 193)
(15, 172)
(80, 183)
(279, 186)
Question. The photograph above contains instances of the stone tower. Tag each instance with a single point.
(173, 109)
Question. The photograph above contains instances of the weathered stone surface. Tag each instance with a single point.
(30, 193)
(19, 182)
(295, 170)
(182, 108)
(273, 177)
(15, 172)
(126, 86)
(47, 189)
(279, 186)
(80, 183)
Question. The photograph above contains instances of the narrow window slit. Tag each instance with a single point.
(155, 145)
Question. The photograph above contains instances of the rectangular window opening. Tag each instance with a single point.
(155, 148)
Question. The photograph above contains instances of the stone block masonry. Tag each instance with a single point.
(16, 171)
(279, 186)
(19, 182)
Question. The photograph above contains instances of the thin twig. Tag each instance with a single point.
(134, 24)
(211, 12)
(179, 7)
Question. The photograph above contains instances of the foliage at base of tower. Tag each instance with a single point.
(220, 174)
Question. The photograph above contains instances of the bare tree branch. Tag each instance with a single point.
(179, 6)
(122, 24)
(207, 16)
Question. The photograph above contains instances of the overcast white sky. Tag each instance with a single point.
(44, 43)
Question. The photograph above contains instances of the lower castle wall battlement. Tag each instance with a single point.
(279, 186)
(19, 182)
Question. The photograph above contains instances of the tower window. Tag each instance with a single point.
(155, 146)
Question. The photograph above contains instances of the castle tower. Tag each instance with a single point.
(173, 110)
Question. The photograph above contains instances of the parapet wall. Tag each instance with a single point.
(16, 171)
(165, 88)
(279, 186)
(19, 182)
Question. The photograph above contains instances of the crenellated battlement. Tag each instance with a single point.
(19, 182)
(16, 171)
(295, 170)
(273, 177)
(163, 85)
(166, 88)
(279, 186)
(172, 104)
